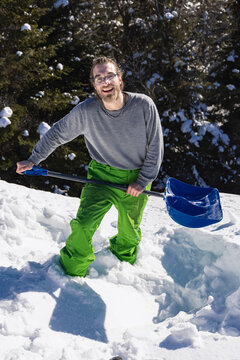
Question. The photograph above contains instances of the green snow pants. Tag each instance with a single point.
(96, 201)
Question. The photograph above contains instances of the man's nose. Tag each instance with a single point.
(106, 80)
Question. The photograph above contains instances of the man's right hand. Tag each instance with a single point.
(23, 166)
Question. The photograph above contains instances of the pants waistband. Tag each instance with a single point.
(111, 174)
(94, 163)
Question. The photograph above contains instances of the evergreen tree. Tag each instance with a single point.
(184, 55)
(222, 93)
(35, 80)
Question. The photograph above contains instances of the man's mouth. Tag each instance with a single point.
(107, 91)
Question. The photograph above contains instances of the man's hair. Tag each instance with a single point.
(103, 60)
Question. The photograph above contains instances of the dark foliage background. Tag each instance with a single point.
(185, 55)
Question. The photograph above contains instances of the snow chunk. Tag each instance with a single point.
(40, 94)
(137, 55)
(60, 66)
(231, 58)
(166, 113)
(25, 133)
(181, 115)
(71, 156)
(180, 338)
(4, 122)
(75, 100)
(231, 87)
(26, 27)
(173, 117)
(59, 3)
(154, 77)
(6, 111)
(59, 191)
(224, 137)
(169, 16)
(235, 71)
(186, 126)
(129, 73)
(200, 180)
(215, 131)
(19, 53)
(195, 139)
(43, 128)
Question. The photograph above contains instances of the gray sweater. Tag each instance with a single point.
(129, 138)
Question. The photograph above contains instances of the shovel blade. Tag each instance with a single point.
(192, 206)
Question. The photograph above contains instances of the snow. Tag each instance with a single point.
(216, 84)
(169, 15)
(40, 94)
(215, 131)
(231, 58)
(62, 3)
(4, 122)
(59, 66)
(26, 27)
(231, 87)
(180, 301)
(71, 156)
(75, 100)
(186, 126)
(25, 133)
(200, 181)
(6, 111)
(203, 126)
(43, 128)
(154, 77)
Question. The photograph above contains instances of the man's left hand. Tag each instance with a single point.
(134, 189)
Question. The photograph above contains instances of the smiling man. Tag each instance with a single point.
(123, 135)
(109, 87)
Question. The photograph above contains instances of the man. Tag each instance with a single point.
(123, 135)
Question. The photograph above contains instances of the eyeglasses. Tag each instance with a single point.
(99, 80)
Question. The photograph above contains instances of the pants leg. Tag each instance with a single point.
(78, 252)
(130, 211)
(96, 201)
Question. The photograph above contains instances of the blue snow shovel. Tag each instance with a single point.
(188, 205)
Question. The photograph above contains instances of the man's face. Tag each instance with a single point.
(109, 89)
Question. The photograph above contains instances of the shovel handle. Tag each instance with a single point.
(36, 170)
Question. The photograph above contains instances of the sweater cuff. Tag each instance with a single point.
(142, 182)
(33, 160)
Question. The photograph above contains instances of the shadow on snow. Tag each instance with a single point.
(79, 310)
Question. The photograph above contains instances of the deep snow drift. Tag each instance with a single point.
(181, 300)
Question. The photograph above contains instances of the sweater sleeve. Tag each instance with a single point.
(155, 147)
(63, 131)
